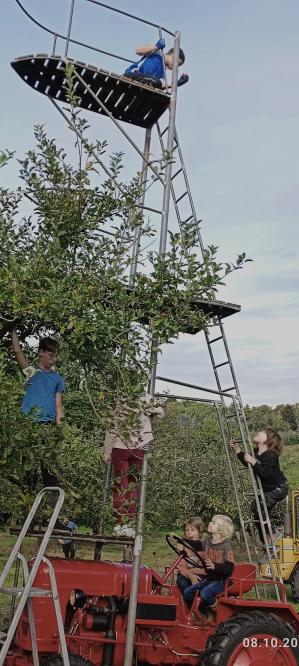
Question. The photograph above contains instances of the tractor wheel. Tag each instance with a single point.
(257, 638)
(75, 660)
(294, 580)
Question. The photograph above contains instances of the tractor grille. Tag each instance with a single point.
(156, 612)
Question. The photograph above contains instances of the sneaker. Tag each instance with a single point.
(127, 531)
(210, 616)
(209, 613)
(198, 619)
(117, 530)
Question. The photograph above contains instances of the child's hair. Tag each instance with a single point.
(225, 525)
(48, 344)
(273, 441)
(181, 54)
(196, 522)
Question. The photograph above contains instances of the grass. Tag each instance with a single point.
(290, 465)
(156, 554)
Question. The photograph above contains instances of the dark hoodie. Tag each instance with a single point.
(222, 556)
(267, 468)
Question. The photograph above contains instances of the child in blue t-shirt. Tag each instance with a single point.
(43, 388)
(151, 68)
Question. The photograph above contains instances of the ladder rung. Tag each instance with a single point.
(231, 416)
(176, 173)
(231, 388)
(220, 337)
(18, 591)
(219, 365)
(188, 219)
(181, 197)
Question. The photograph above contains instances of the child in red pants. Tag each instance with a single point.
(125, 443)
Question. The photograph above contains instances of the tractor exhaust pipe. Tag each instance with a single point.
(108, 649)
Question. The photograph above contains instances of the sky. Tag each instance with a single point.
(238, 122)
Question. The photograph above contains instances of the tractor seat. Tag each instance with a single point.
(242, 580)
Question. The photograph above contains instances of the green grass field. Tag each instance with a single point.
(156, 552)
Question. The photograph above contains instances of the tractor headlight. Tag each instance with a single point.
(77, 598)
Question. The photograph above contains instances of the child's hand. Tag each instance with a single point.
(210, 564)
(233, 445)
(193, 578)
(160, 44)
(249, 459)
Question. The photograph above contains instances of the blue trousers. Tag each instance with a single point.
(182, 583)
(208, 590)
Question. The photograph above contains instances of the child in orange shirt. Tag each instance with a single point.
(190, 574)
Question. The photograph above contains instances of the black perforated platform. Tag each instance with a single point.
(131, 102)
(216, 308)
(211, 309)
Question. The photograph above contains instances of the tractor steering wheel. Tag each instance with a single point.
(186, 544)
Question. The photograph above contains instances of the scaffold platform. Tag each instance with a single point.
(210, 309)
(126, 100)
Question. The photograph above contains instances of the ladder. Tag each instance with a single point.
(27, 592)
(230, 411)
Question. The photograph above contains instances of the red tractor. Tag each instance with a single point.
(94, 598)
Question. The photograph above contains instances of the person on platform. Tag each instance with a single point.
(150, 67)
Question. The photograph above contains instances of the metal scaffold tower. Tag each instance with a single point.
(126, 102)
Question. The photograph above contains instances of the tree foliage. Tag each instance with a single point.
(66, 238)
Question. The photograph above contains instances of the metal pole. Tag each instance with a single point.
(133, 269)
(169, 145)
(163, 58)
(15, 584)
(136, 564)
(69, 29)
(99, 545)
(144, 472)
(54, 45)
(106, 492)
(144, 171)
(195, 386)
(115, 122)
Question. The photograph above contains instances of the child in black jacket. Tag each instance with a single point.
(265, 465)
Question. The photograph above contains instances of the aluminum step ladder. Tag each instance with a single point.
(27, 592)
(230, 411)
